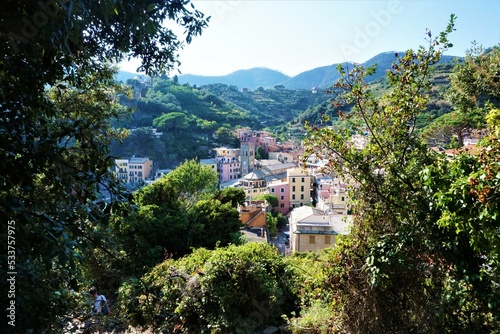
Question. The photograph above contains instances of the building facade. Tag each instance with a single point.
(229, 168)
(281, 190)
(300, 187)
(134, 171)
(312, 229)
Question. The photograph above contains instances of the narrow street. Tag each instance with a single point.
(280, 241)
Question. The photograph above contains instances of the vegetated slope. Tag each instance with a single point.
(272, 107)
(436, 107)
(326, 76)
(188, 118)
(251, 78)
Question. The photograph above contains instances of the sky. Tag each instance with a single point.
(293, 36)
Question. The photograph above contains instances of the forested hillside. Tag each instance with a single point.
(193, 120)
(379, 85)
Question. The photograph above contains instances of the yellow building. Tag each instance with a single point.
(210, 163)
(312, 229)
(139, 169)
(300, 187)
(121, 169)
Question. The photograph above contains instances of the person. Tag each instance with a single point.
(99, 302)
(99, 307)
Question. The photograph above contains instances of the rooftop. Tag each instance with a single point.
(138, 160)
(208, 161)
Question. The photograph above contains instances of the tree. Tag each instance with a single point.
(269, 198)
(399, 270)
(235, 196)
(473, 87)
(174, 121)
(474, 82)
(214, 223)
(236, 289)
(271, 224)
(57, 99)
(192, 182)
(226, 137)
(172, 215)
(260, 153)
(456, 124)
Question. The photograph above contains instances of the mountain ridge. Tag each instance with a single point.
(320, 77)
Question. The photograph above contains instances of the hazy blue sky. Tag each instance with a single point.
(293, 36)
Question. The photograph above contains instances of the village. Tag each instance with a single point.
(314, 201)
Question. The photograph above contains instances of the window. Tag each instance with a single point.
(301, 188)
(293, 179)
(272, 190)
(302, 180)
(282, 205)
(293, 196)
(282, 198)
(312, 239)
(328, 239)
(343, 199)
(293, 188)
(301, 196)
(282, 190)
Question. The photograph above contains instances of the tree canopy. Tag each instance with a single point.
(415, 259)
(58, 99)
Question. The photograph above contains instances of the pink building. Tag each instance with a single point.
(229, 168)
(267, 141)
(253, 136)
(280, 189)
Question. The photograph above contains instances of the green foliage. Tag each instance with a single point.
(235, 196)
(181, 211)
(226, 137)
(58, 98)
(465, 199)
(455, 124)
(230, 290)
(189, 118)
(174, 121)
(271, 224)
(413, 261)
(272, 107)
(261, 153)
(473, 88)
(271, 199)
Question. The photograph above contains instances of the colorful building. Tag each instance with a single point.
(281, 190)
(312, 229)
(229, 168)
(300, 187)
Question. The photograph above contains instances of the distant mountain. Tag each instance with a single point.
(327, 75)
(321, 77)
(251, 78)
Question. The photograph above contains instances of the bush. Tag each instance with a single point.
(237, 289)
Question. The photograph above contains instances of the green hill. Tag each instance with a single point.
(251, 78)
